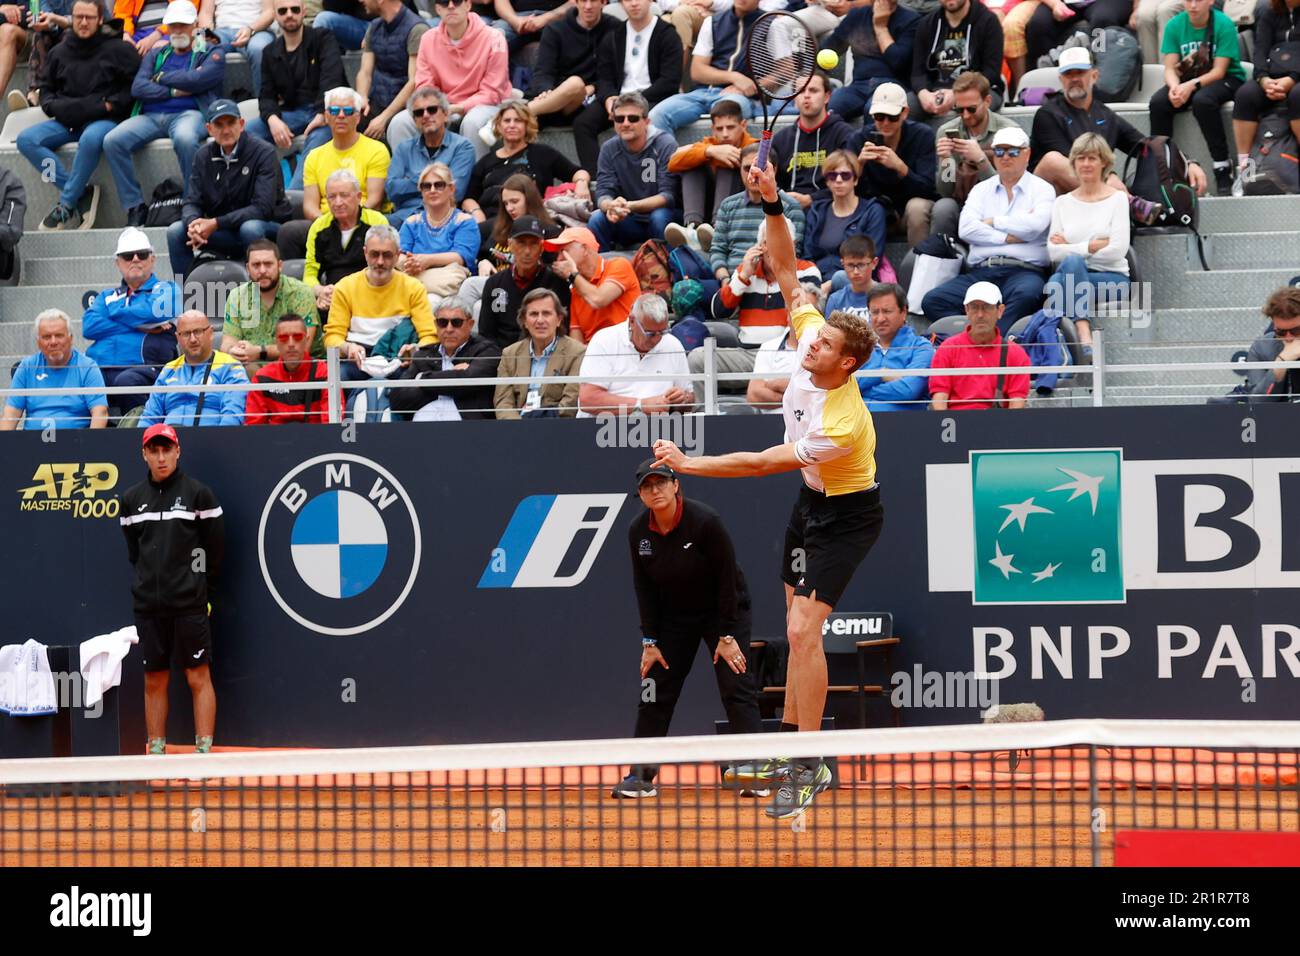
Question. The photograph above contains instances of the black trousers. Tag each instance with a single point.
(1206, 104)
(739, 692)
(1044, 31)
(1250, 103)
(588, 124)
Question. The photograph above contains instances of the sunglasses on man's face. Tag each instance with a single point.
(285, 10)
(1012, 151)
(421, 110)
(449, 3)
(885, 118)
(286, 337)
(839, 175)
(628, 118)
(972, 110)
(436, 186)
(341, 110)
(443, 323)
(1291, 333)
(139, 254)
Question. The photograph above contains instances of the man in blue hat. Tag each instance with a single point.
(235, 194)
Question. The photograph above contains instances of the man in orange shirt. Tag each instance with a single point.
(710, 172)
(603, 289)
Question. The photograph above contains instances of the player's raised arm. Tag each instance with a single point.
(780, 240)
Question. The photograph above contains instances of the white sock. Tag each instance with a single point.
(1242, 159)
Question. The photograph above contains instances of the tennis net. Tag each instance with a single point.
(1056, 793)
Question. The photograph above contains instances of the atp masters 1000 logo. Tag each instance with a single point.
(1047, 526)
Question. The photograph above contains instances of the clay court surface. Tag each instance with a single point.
(941, 810)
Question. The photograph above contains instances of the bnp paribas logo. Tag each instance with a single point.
(1047, 527)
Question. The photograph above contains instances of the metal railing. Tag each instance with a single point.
(1100, 384)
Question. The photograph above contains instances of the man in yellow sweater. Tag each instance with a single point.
(367, 304)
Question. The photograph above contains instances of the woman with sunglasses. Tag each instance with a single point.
(1089, 240)
(841, 214)
(519, 152)
(439, 243)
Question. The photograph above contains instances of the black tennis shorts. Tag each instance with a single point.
(181, 639)
(827, 539)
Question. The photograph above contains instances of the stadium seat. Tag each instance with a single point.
(724, 334)
(1041, 77)
(293, 267)
(295, 202)
(948, 326)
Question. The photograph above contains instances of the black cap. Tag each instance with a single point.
(527, 226)
(650, 467)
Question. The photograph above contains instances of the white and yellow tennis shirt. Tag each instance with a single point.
(831, 429)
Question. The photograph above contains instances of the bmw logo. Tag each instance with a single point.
(339, 544)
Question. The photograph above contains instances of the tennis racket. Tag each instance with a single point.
(780, 57)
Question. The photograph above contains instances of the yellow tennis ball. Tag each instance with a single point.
(828, 59)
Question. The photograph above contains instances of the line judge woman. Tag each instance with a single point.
(689, 588)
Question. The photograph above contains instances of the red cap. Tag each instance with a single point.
(161, 430)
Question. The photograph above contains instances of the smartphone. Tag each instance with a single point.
(876, 138)
(953, 134)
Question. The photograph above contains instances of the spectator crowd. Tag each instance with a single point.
(441, 239)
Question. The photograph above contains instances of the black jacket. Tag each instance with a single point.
(165, 552)
(301, 78)
(88, 80)
(498, 319)
(13, 209)
(1057, 125)
(664, 56)
(482, 356)
(250, 186)
(800, 154)
(687, 581)
(567, 48)
(941, 52)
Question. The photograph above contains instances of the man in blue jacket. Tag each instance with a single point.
(130, 326)
(200, 364)
(235, 195)
(176, 81)
(897, 347)
(433, 144)
(881, 35)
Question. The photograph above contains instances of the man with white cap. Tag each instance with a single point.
(980, 346)
(130, 326)
(176, 82)
(1006, 221)
(898, 163)
(1067, 115)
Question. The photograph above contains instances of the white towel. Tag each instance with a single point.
(101, 661)
(8, 658)
(31, 685)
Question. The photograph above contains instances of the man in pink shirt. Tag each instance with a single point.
(467, 60)
(980, 346)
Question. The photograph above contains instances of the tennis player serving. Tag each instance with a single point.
(837, 518)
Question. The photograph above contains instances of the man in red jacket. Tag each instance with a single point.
(289, 406)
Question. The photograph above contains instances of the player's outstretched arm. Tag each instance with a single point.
(780, 241)
(739, 464)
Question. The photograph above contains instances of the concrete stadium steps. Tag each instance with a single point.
(93, 272)
(1253, 250)
(1222, 289)
(81, 243)
(1252, 214)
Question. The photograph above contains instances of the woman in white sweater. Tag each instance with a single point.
(1089, 240)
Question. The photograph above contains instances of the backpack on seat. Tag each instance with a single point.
(1273, 168)
(1157, 171)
